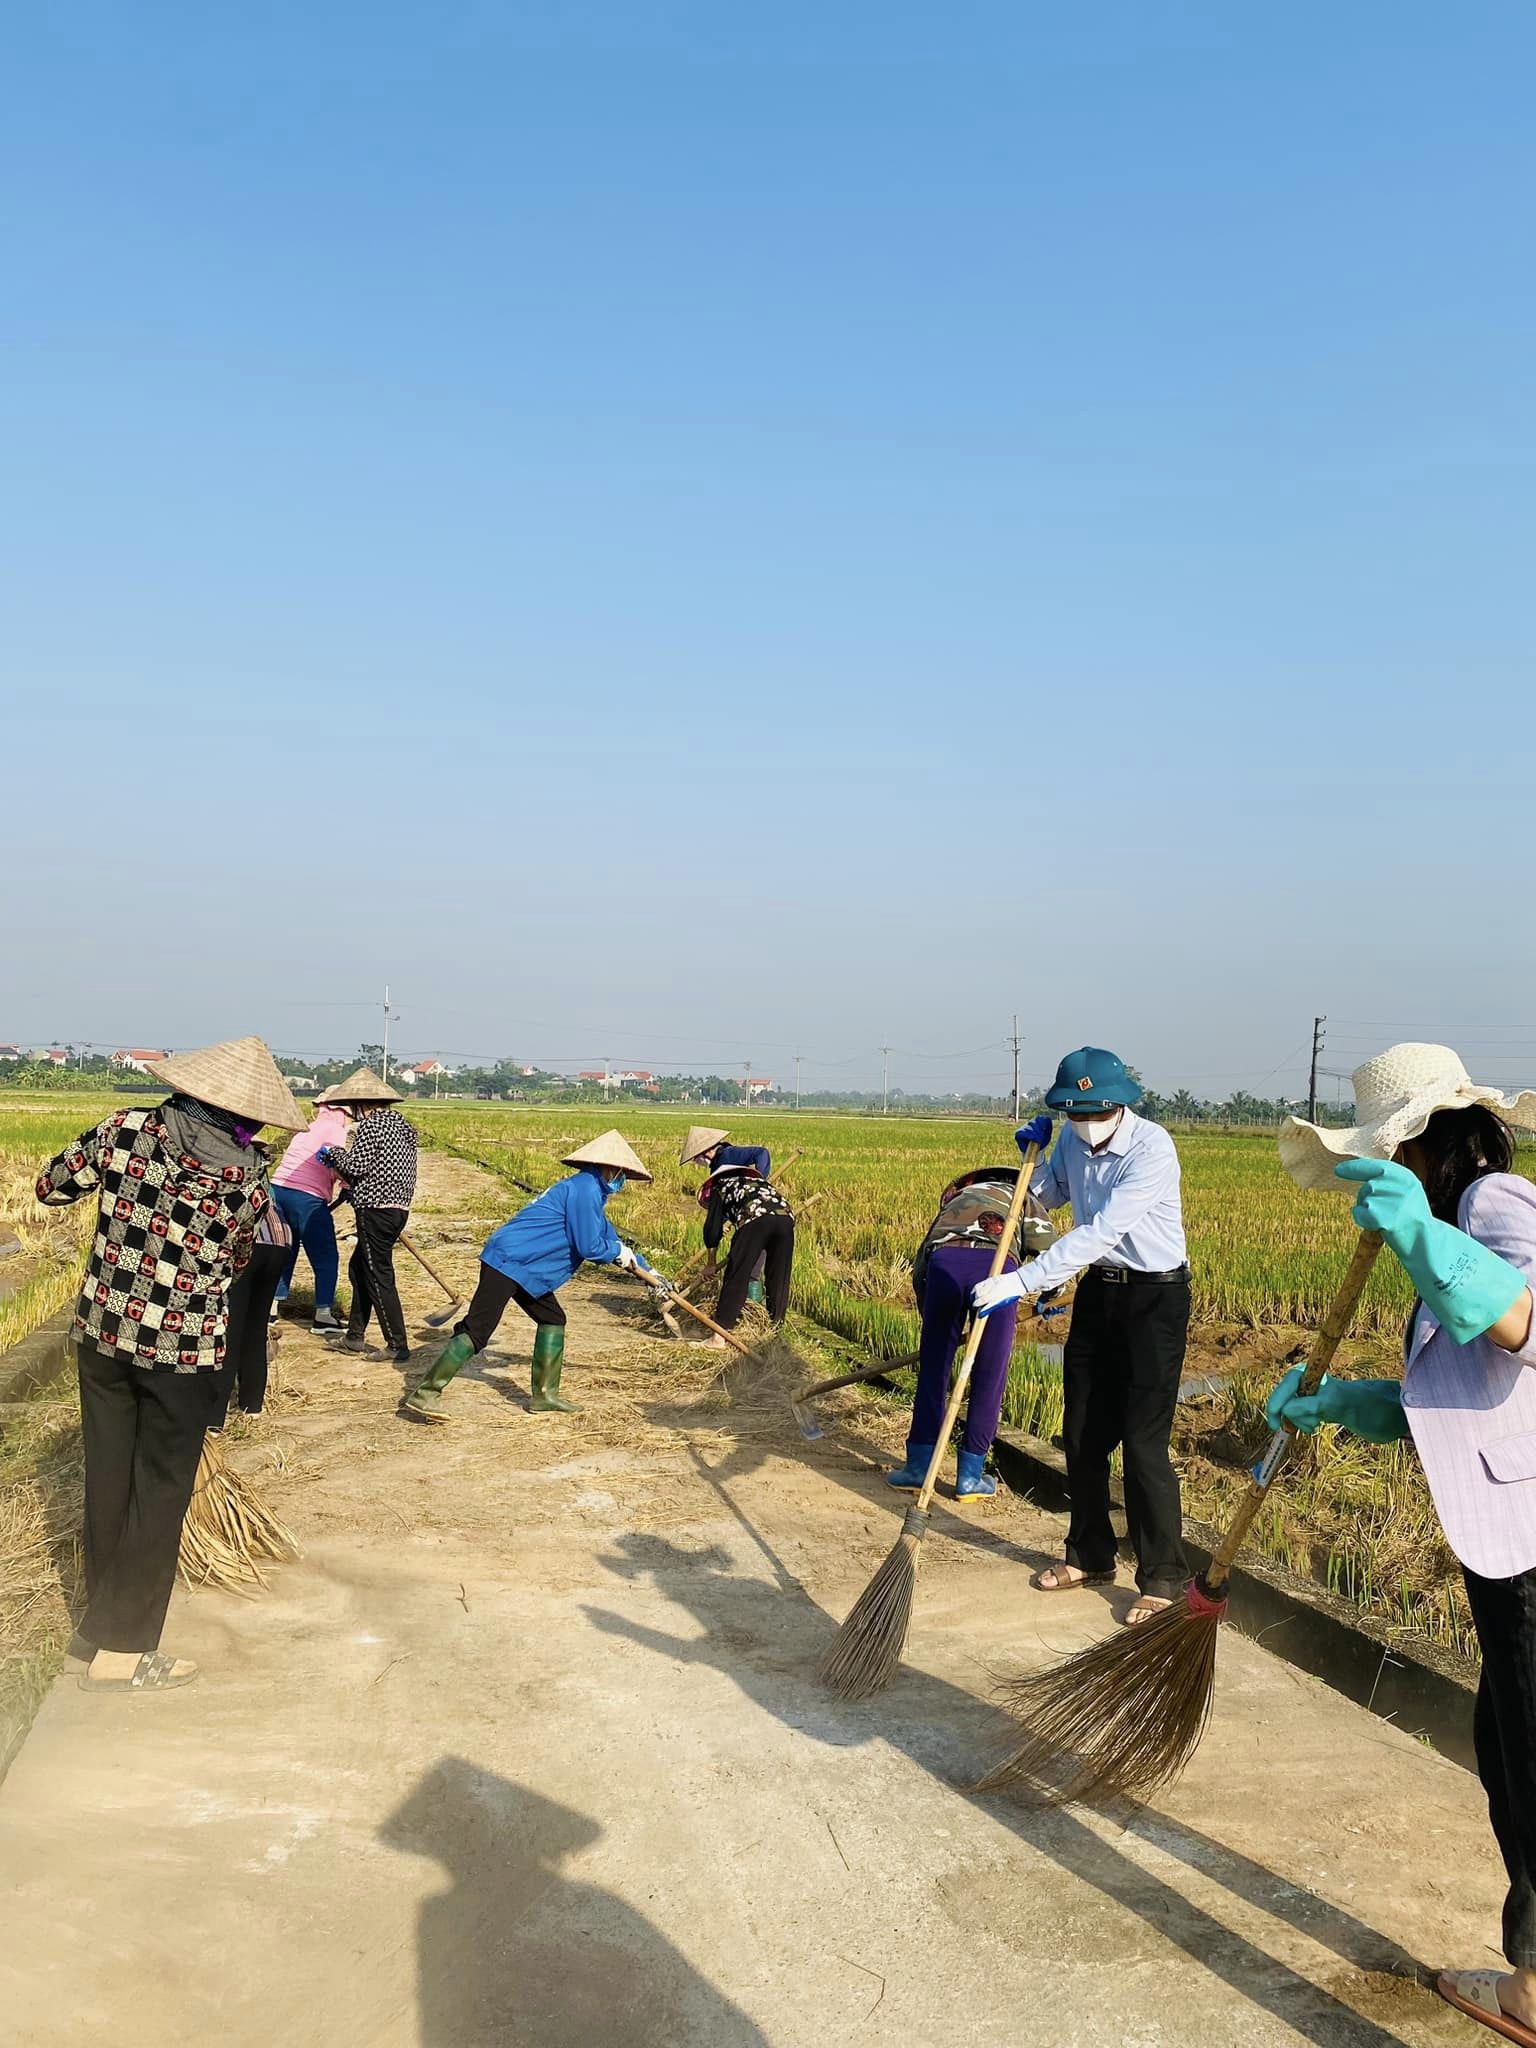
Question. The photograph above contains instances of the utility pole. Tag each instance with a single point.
(386, 1034)
(797, 1080)
(746, 1080)
(885, 1080)
(1015, 1042)
(1318, 1035)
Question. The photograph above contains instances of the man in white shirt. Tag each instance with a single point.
(1130, 1321)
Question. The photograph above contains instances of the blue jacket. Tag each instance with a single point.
(745, 1155)
(543, 1245)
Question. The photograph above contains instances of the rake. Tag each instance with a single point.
(867, 1651)
(1127, 1713)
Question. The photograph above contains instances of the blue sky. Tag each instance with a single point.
(688, 533)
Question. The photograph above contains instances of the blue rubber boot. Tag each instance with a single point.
(972, 1482)
(909, 1478)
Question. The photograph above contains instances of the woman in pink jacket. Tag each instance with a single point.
(303, 1189)
(1430, 1160)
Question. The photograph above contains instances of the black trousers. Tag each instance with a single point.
(371, 1274)
(1121, 1369)
(143, 1433)
(771, 1238)
(1504, 1735)
(244, 1371)
(493, 1291)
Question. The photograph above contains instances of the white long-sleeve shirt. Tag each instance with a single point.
(1125, 1204)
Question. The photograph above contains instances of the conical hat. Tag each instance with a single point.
(240, 1075)
(700, 1139)
(608, 1150)
(363, 1086)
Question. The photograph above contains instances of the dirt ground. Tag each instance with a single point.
(528, 1748)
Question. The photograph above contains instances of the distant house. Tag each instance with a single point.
(56, 1056)
(623, 1077)
(136, 1059)
(300, 1080)
(11, 1052)
(758, 1087)
(422, 1070)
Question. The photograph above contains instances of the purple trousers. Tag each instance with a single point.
(953, 1271)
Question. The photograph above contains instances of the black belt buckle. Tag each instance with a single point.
(1121, 1276)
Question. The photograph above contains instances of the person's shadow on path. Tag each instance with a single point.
(516, 1955)
(768, 1639)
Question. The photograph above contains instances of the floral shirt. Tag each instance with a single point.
(172, 1233)
(734, 1195)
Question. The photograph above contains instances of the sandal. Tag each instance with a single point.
(1144, 1608)
(1476, 1993)
(153, 1673)
(1052, 1579)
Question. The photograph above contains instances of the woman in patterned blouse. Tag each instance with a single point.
(182, 1189)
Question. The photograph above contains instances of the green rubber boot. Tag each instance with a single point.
(427, 1401)
(757, 1292)
(548, 1357)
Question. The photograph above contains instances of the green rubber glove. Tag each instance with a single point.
(1372, 1409)
(1465, 1287)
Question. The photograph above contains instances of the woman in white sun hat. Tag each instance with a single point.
(1429, 1159)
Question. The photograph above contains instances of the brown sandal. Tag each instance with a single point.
(1058, 1584)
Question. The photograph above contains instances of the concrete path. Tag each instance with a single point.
(528, 1749)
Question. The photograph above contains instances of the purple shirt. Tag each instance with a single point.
(1472, 1407)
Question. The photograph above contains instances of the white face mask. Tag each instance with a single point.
(1097, 1129)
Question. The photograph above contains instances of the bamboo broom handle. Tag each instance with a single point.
(1335, 1328)
(978, 1326)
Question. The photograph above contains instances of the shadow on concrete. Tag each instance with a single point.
(769, 1645)
(519, 1955)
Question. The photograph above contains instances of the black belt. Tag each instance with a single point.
(1121, 1276)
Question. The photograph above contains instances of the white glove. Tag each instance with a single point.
(627, 1262)
(987, 1295)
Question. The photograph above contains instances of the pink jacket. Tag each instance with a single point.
(299, 1168)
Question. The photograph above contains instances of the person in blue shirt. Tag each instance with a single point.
(529, 1259)
(1124, 1354)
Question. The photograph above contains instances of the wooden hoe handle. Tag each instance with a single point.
(978, 1327)
(676, 1300)
(428, 1268)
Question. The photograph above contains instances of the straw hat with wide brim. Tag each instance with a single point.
(240, 1075)
(701, 1138)
(1396, 1094)
(363, 1086)
(608, 1150)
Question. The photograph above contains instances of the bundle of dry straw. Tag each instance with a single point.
(229, 1530)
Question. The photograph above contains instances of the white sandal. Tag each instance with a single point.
(1476, 1993)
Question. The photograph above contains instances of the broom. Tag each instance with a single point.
(228, 1529)
(1129, 1711)
(867, 1649)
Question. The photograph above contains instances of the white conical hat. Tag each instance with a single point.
(240, 1075)
(363, 1086)
(700, 1138)
(1396, 1094)
(608, 1150)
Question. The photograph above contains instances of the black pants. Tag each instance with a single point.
(143, 1433)
(1504, 1735)
(1121, 1370)
(771, 1238)
(244, 1371)
(493, 1291)
(371, 1274)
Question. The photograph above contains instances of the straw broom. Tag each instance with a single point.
(867, 1650)
(1129, 1712)
(229, 1529)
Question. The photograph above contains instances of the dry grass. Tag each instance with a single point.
(41, 1482)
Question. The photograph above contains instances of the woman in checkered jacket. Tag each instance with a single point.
(182, 1190)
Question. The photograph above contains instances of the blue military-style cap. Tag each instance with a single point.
(1092, 1078)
